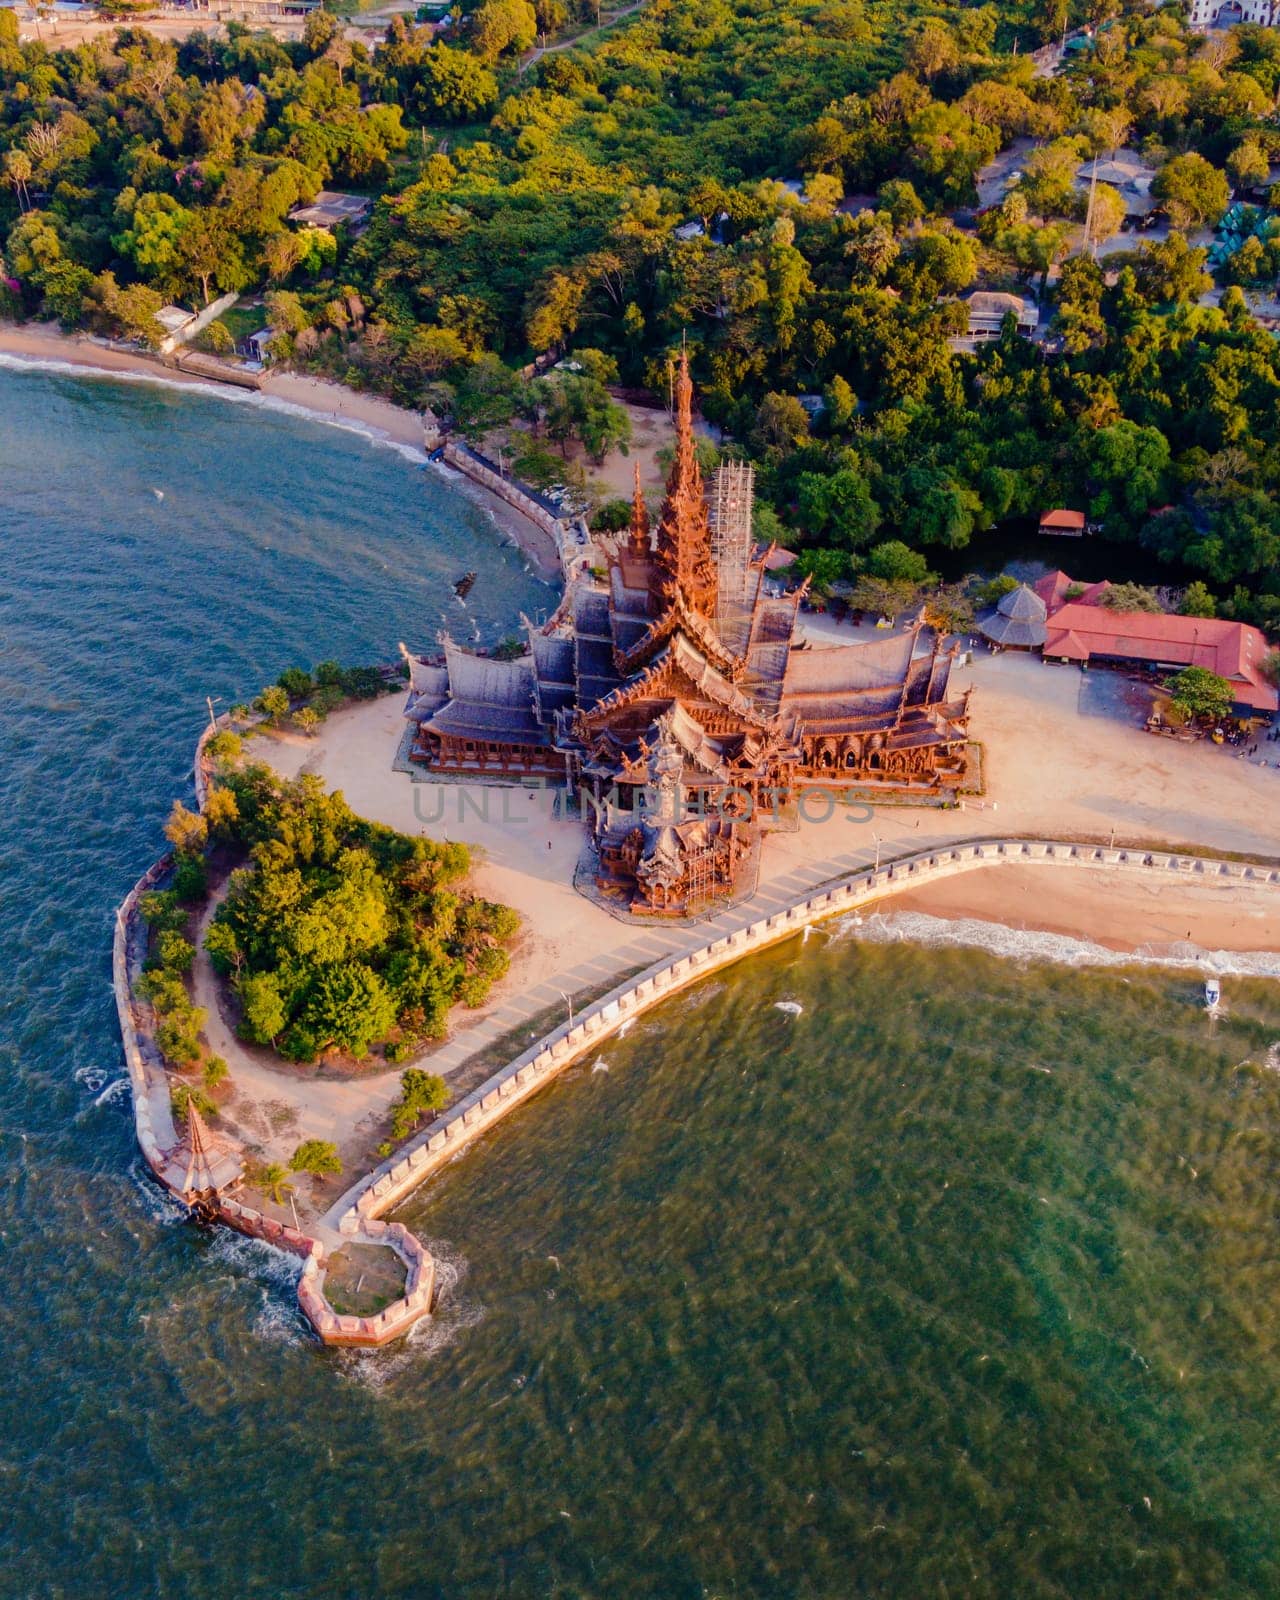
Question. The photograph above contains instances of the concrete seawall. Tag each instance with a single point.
(494, 1099)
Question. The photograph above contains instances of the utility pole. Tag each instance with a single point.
(213, 721)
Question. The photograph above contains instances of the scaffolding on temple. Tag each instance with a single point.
(729, 507)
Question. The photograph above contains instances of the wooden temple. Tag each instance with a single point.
(681, 695)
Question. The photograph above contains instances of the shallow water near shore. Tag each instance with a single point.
(961, 1280)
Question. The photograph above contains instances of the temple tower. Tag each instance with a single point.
(685, 563)
(638, 542)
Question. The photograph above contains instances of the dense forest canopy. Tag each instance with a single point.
(684, 175)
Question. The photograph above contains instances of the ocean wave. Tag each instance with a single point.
(1021, 944)
(244, 397)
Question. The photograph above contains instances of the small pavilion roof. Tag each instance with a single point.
(1018, 620)
(201, 1162)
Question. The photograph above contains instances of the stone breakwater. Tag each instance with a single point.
(486, 1105)
(157, 1136)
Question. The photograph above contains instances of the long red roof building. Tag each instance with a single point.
(1235, 651)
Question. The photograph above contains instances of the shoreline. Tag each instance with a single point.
(1148, 922)
(37, 346)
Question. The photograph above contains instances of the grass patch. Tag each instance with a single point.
(361, 1280)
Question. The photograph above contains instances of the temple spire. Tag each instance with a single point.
(639, 522)
(684, 542)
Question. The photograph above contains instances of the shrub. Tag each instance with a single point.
(191, 879)
(225, 745)
(295, 681)
(612, 517)
(1131, 597)
(160, 910)
(216, 1071)
(993, 592)
(362, 683)
(178, 1035)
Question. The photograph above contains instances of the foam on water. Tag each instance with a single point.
(1020, 944)
(218, 391)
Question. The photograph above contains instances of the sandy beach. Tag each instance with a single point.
(379, 419)
(1125, 914)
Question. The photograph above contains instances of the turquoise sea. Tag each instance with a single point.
(962, 1282)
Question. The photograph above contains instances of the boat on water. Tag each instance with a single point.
(463, 586)
(1212, 993)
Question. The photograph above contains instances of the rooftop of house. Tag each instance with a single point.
(1054, 589)
(330, 207)
(995, 303)
(174, 318)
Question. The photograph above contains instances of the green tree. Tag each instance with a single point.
(350, 1008)
(1198, 601)
(1192, 191)
(452, 86)
(265, 1016)
(896, 562)
(186, 831)
(273, 702)
(318, 1157)
(1200, 694)
(499, 26)
(273, 1179)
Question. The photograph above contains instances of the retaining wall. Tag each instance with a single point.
(471, 466)
(486, 1105)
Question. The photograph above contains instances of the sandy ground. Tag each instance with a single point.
(38, 342)
(1121, 913)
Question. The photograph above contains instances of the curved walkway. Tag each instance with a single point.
(485, 1106)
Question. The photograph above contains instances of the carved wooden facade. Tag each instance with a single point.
(681, 696)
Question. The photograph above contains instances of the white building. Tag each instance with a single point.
(1226, 13)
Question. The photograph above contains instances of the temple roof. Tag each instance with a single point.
(839, 669)
(201, 1162)
(684, 540)
(489, 699)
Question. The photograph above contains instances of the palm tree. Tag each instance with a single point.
(273, 1180)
